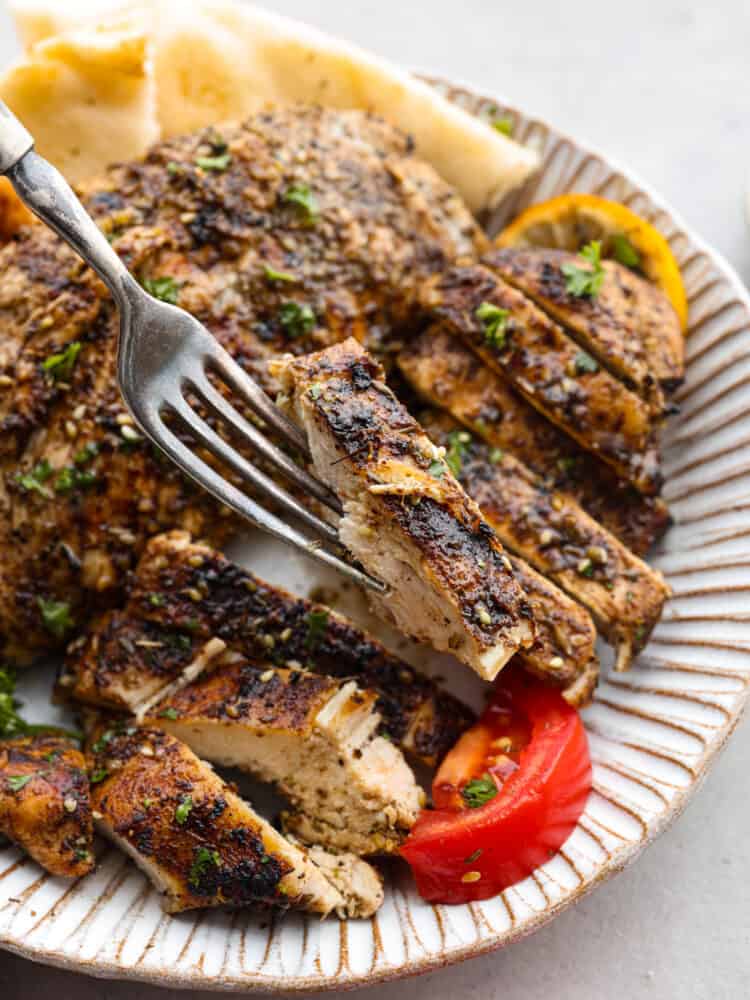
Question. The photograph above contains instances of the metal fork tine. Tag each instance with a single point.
(259, 480)
(243, 505)
(256, 398)
(300, 477)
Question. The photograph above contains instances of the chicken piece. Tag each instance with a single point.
(314, 738)
(360, 885)
(444, 371)
(563, 652)
(550, 531)
(630, 325)
(197, 841)
(514, 337)
(314, 224)
(44, 803)
(165, 636)
(406, 518)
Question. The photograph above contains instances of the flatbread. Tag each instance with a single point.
(87, 95)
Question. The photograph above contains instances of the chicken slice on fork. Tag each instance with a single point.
(187, 603)
(629, 325)
(444, 371)
(44, 802)
(406, 519)
(569, 387)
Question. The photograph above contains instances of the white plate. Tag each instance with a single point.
(653, 732)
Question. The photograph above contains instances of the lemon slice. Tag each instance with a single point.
(570, 221)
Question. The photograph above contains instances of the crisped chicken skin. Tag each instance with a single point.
(514, 337)
(405, 517)
(44, 803)
(445, 372)
(187, 603)
(630, 325)
(313, 737)
(319, 224)
(547, 529)
(199, 843)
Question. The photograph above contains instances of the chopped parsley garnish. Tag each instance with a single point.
(584, 364)
(496, 456)
(59, 366)
(168, 713)
(458, 446)
(304, 201)
(164, 288)
(473, 856)
(182, 811)
(204, 859)
(584, 281)
(504, 125)
(494, 320)
(296, 319)
(436, 469)
(625, 253)
(19, 781)
(273, 275)
(103, 741)
(85, 454)
(216, 163)
(479, 791)
(99, 775)
(157, 600)
(55, 616)
(147, 803)
(70, 478)
(33, 481)
(317, 623)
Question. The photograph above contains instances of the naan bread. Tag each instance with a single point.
(87, 95)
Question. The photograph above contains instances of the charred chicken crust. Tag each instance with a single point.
(548, 368)
(186, 599)
(44, 803)
(406, 518)
(194, 837)
(444, 371)
(629, 325)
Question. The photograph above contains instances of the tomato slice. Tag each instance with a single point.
(507, 796)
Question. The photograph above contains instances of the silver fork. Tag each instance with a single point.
(162, 352)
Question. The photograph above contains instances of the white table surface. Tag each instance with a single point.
(662, 85)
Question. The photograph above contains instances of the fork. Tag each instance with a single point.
(164, 351)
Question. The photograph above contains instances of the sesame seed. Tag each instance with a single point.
(195, 561)
(71, 428)
(147, 751)
(266, 676)
(79, 412)
(124, 420)
(597, 553)
(556, 503)
(5, 381)
(130, 433)
(232, 711)
(556, 662)
(96, 815)
(585, 566)
(472, 876)
(286, 635)
(46, 322)
(483, 614)
(268, 641)
(546, 536)
(579, 640)
(507, 564)
(194, 594)
(70, 804)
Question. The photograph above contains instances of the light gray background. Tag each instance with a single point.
(662, 86)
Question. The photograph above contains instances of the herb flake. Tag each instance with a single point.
(296, 319)
(585, 282)
(18, 781)
(271, 274)
(56, 616)
(183, 810)
(163, 288)
(494, 321)
(625, 253)
(217, 164)
(304, 201)
(60, 366)
(585, 364)
(479, 791)
(204, 859)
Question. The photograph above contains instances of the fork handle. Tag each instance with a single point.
(46, 192)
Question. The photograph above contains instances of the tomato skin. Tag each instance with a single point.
(532, 815)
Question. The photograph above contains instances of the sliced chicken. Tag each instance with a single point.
(314, 737)
(550, 531)
(44, 803)
(405, 517)
(514, 337)
(629, 326)
(199, 842)
(444, 371)
(188, 603)
(360, 885)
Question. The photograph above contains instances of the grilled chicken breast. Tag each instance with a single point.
(313, 737)
(187, 604)
(405, 517)
(308, 225)
(629, 326)
(445, 372)
(44, 803)
(199, 843)
(550, 531)
(514, 337)
(360, 885)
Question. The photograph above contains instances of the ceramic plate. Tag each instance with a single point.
(653, 731)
